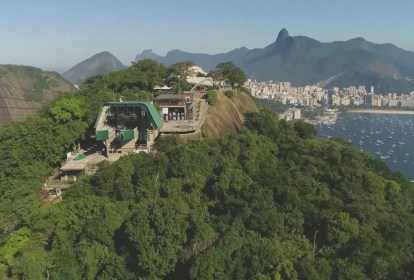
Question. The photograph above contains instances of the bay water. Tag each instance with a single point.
(388, 137)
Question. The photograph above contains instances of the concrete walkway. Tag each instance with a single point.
(188, 126)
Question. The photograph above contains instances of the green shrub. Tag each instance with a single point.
(230, 93)
(212, 97)
(245, 90)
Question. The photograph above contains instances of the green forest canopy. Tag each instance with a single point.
(271, 202)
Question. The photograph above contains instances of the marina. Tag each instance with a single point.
(388, 137)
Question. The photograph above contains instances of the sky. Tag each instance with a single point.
(57, 34)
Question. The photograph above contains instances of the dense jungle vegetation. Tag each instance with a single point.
(272, 202)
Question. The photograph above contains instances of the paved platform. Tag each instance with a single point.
(78, 165)
(178, 127)
(188, 126)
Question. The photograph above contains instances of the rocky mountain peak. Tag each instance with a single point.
(282, 36)
(148, 53)
(100, 63)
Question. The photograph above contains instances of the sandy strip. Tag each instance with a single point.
(373, 111)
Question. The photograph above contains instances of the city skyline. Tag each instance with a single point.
(59, 34)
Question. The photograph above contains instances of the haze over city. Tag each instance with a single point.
(58, 34)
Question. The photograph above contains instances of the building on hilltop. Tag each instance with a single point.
(129, 126)
(200, 84)
(176, 106)
(195, 70)
(157, 90)
(78, 165)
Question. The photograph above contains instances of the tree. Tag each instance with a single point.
(136, 94)
(167, 143)
(232, 74)
(157, 233)
(148, 73)
(67, 109)
(178, 74)
(216, 75)
(17, 240)
(212, 97)
(303, 129)
(63, 256)
(32, 262)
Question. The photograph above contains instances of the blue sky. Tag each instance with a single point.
(58, 34)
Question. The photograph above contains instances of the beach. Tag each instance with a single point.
(377, 111)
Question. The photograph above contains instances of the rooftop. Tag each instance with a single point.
(170, 97)
(82, 164)
(151, 108)
(206, 81)
(161, 88)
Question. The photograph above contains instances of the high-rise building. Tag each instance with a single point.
(352, 90)
(368, 98)
(362, 90)
(331, 94)
(345, 101)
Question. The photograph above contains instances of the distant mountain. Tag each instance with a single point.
(147, 54)
(100, 63)
(205, 61)
(24, 90)
(303, 60)
(60, 70)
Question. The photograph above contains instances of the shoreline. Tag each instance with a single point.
(379, 111)
(333, 117)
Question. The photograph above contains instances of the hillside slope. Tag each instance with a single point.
(227, 115)
(269, 202)
(24, 89)
(100, 63)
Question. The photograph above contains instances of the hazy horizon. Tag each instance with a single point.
(59, 34)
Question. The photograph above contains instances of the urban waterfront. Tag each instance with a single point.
(388, 137)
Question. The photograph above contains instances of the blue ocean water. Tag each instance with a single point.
(388, 137)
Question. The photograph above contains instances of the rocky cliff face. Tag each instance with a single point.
(227, 115)
(282, 36)
(24, 90)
